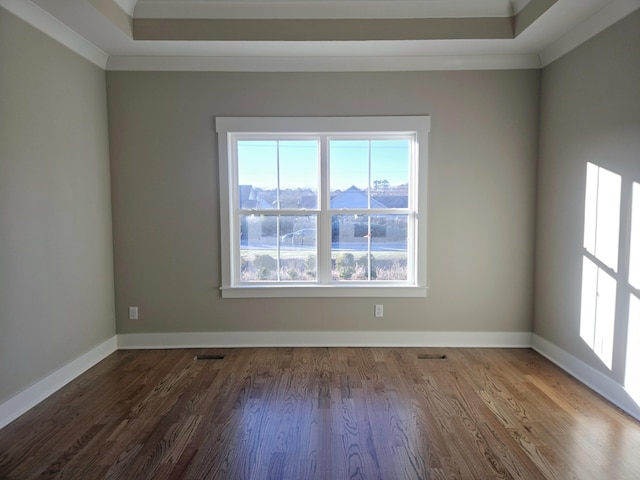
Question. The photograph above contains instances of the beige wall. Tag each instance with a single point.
(56, 262)
(481, 197)
(590, 112)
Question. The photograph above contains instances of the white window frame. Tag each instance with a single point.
(230, 128)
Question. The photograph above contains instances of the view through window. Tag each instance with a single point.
(331, 206)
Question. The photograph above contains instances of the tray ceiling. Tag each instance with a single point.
(312, 35)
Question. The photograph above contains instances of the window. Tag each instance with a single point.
(323, 206)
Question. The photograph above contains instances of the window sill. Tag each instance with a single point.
(302, 291)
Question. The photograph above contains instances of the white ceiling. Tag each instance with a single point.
(83, 26)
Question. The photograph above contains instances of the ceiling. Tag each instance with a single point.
(320, 35)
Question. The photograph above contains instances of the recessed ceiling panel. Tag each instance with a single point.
(326, 8)
(332, 20)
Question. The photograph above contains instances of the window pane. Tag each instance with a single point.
(349, 173)
(390, 173)
(258, 248)
(369, 247)
(389, 246)
(278, 173)
(634, 260)
(298, 243)
(257, 173)
(278, 248)
(298, 174)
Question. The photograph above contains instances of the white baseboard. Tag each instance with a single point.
(592, 378)
(324, 339)
(31, 396)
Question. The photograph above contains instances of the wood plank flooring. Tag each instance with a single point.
(322, 413)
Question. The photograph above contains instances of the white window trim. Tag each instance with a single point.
(418, 125)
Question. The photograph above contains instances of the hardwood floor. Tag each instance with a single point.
(322, 413)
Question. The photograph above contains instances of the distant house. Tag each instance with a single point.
(347, 228)
(250, 198)
(353, 197)
(344, 228)
(393, 201)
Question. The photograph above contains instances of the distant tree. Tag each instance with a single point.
(346, 265)
(265, 265)
(363, 262)
(379, 186)
(310, 265)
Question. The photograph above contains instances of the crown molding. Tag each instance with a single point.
(518, 5)
(601, 20)
(51, 26)
(323, 64)
(115, 14)
(531, 12)
(128, 6)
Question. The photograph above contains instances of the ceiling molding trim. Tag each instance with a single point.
(58, 31)
(323, 9)
(529, 14)
(324, 64)
(519, 5)
(128, 6)
(115, 14)
(602, 19)
(322, 29)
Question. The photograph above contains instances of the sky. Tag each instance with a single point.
(298, 163)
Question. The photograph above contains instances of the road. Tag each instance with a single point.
(269, 244)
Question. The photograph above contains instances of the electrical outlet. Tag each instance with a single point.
(379, 311)
(133, 313)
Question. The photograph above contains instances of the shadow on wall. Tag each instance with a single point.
(610, 310)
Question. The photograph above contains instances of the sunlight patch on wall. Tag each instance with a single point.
(634, 259)
(597, 319)
(632, 365)
(632, 371)
(600, 261)
(602, 215)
